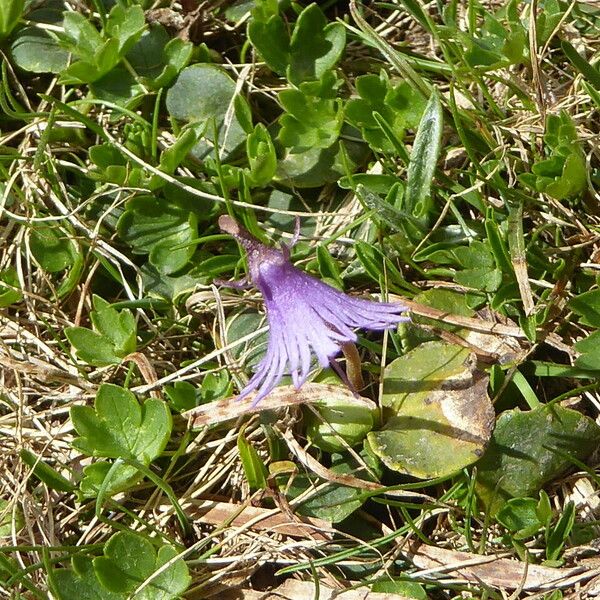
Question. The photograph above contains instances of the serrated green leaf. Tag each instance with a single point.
(125, 24)
(82, 38)
(80, 582)
(164, 230)
(272, 41)
(119, 327)
(118, 427)
(400, 106)
(91, 347)
(261, 156)
(315, 46)
(312, 119)
(130, 560)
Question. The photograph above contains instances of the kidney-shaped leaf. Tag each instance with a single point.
(529, 449)
(130, 560)
(204, 94)
(439, 416)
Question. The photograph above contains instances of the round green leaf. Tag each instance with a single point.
(35, 50)
(529, 449)
(204, 94)
(439, 416)
(347, 418)
(8, 295)
(52, 248)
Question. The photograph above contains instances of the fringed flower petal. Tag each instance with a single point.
(305, 316)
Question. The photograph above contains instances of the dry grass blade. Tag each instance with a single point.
(493, 571)
(300, 590)
(231, 408)
(260, 519)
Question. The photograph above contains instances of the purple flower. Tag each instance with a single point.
(304, 314)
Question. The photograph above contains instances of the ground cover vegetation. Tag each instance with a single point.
(443, 155)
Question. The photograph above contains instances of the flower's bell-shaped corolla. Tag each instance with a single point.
(305, 315)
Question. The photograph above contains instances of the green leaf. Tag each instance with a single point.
(157, 59)
(34, 50)
(563, 174)
(92, 348)
(529, 449)
(164, 230)
(581, 64)
(122, 477)
(399, 587)
(80, 582)
(557, 536)
(204, 95)
(339, 420)
(52, 248)
(587, 306)
(272, 41)
(254, 467)
(313, 119)
(118, 426)
(334, 502)
(400, 106)
(261, 156)
(8, 294)
(81, 37)
(479, 267)
(396, 219)
(118, 86)
(125, 25)
(174, 155)
(423, 160)
(130, 560)
(315, 46)
(376, 264)
(183, 395)
(520, 516)
(439, 417)
(117, 326)
(45, 473)
(10, 14)
(11, 518)
(317, 166)
(590, 352)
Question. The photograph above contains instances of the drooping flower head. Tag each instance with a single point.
(305, 315)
